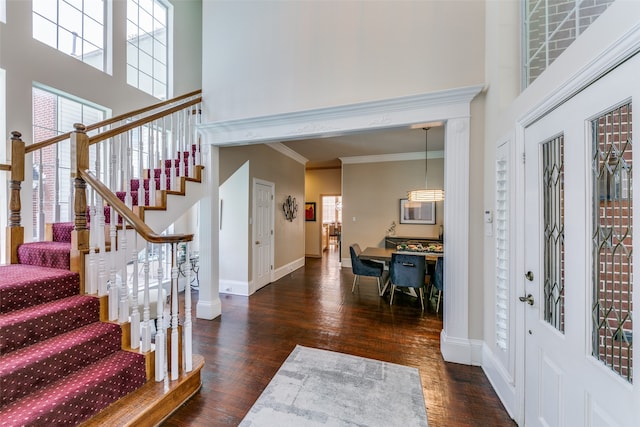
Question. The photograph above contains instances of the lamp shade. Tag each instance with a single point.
(426, 195)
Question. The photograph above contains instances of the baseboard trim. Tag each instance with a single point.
(209, 310)
(235, 287)
(288, 268)
(503, 383)
(461, 350)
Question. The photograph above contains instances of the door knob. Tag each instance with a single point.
(257, 242)
(528, 299)
(529, 276)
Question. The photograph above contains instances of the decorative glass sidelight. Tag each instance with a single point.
(554, 262)
(612, 275)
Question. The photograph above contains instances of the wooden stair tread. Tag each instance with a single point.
(151, 403)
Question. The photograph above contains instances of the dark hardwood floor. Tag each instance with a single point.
(314, 307)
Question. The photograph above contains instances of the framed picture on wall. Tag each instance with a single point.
(310, 211)
(417, 212)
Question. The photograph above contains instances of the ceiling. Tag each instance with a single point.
(325, 152)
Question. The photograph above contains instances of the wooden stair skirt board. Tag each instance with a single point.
(151, 403)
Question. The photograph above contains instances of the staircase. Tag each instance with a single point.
(76, 343)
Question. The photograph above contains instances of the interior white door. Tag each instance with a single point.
(578, 258)
(262, 233)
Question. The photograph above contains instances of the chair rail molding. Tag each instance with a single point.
(451, 106)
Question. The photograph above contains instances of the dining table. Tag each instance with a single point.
(384, 255)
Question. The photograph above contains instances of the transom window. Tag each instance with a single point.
(550, 26)
(75, 27)
(147, 46)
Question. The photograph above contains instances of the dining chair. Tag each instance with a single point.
(437, 282)
(408, 271)
(365, 267)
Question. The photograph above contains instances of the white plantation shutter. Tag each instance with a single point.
(502, 252)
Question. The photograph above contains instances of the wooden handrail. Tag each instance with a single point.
(5, 167)
(62, 137)
(140, 226)
(143, 121)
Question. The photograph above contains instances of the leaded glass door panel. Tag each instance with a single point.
(577, 292)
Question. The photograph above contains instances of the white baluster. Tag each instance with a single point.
(184, 136)
(123, 306)
(135, 310)
(152, 172)
(113, 259)
(41, 218)
(174, 313)
(198, 157)
(141, 198)
(160, 341)
(175, 131)
(56, 186)
(187, 341)
(127, 170)
(91, 286)
(163, 155)
(146, 311)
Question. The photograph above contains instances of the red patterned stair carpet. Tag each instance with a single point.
(59, 365)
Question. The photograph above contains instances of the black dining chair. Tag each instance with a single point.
(437, 282)
(365, 267)
(408, 271)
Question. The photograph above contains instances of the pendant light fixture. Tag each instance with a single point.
(426, 194)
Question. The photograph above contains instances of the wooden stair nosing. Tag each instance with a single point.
(153, 402)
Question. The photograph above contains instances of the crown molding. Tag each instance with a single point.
(283, 149)
(342, 119)
(397, 157)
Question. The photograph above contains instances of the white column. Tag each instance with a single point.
(209, 306)
(454, 344)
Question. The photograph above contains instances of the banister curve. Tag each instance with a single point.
(140, 226)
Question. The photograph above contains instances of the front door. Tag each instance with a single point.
(578, 259)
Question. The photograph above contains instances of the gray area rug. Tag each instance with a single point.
(322, 388)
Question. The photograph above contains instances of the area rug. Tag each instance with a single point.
(322, 388)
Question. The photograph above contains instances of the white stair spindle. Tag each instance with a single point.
(91, 286)
(141, 198)
(174, 313)
(187, 341)
(183, 145)
(146, 311)
(175, 131)
(113, 259)
(128, 199)
(198, 157)
(123, 305)
(152, 172)
(41, 216)
(56, 186)
(160, 341)
(163, 155)
(135, 310)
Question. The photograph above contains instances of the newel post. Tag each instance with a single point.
(15, 232)
(80, 233)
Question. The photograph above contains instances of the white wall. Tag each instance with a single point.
(234, 233)
(265, 57)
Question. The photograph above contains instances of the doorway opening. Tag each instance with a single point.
(332, 225)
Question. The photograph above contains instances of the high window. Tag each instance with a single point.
(54, 113)
(147, 46)
(550, 26)
(75, 27)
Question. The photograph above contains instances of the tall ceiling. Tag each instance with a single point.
(325, 152)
